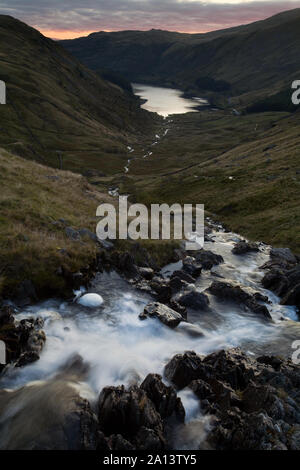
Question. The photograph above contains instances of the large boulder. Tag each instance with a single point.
(165, 314)
(229, 292)
(182, 369)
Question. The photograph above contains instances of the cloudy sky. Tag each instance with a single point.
(73, 18)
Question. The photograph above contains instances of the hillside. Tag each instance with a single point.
(58, 112)
(248, 62)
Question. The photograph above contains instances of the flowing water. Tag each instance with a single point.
(166, 101)
(121, 349)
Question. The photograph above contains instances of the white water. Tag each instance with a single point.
(121, 349)
(166, 101)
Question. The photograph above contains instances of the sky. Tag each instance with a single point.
(64, 19)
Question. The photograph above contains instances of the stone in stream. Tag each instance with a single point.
(193, 298)
(165, 314)
(191, 267)
(208, 259)
(184, 276)
(227, 291)
(90, 300)
(243, 247)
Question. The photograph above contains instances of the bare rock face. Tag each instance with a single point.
(227, 291)
(165, 314)
(254, 403)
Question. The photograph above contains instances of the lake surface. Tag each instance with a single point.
(165, 101)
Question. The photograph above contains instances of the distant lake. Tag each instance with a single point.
(165, 101)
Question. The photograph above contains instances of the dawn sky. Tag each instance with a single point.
(73, 18)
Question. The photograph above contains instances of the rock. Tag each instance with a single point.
(164, 398)
(243, 247)
(84, 232)
(177, 284)
(255, 403)
(178, 308)
(194, 299)
(165, 314)
(131, 414)
(283, 254)
(183, 369)
(125, 263)
(191, 267)
(292, 297)
(27, 358)
(90, 300)
(6, 315)
(72, 234)
(233, 293)
(184, 276)
(208, 259)
(162, 290)
(146, 273)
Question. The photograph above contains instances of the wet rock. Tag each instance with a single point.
(131, 414)
(182, 369)
(184, 276)
(194, 299)
(178, 308)
(177, 284)
(6, 315)
(116, 442)
(105, 244)
(208, 259)
(165, 314)
(243, 247)
(255, 403)
(164, 398)
(292, 297)
(125, 263)
(233, 293)
(191, 267)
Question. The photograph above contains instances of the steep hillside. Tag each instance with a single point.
(58, 112)
(249, 61)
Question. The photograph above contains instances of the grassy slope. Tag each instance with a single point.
(32, 200)
(58, 110)
(257, 59)
(203, 150)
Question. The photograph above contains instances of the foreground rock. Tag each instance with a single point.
(226, 291)
(138, 418)
(24, 340)
(165, 314)
(254, 404)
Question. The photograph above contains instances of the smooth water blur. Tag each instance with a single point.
(118, 348)
(165, 101)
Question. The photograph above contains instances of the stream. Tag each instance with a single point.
(119, 348)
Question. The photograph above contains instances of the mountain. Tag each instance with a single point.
(58, 112)
(250, 61)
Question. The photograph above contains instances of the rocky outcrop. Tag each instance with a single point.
(244, 247)
(254, 403)
(165, 314)
(191, 267)
(229, 292)
(138, 418)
